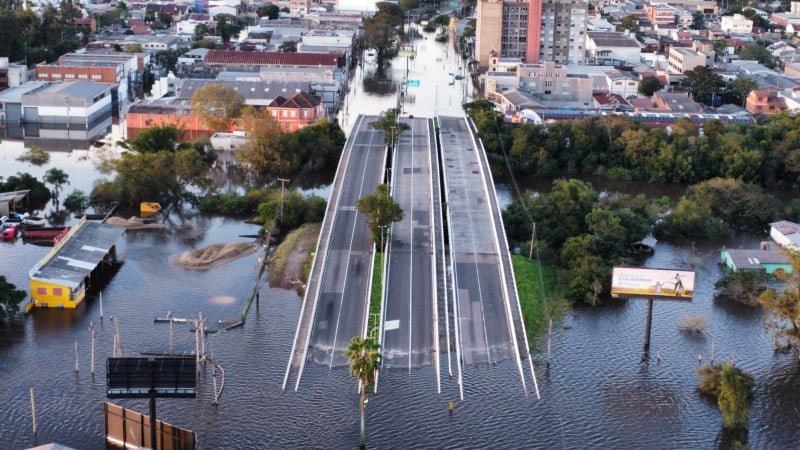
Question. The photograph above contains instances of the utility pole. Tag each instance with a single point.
(282, 180)
(93, 331)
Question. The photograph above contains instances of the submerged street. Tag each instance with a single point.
(596, 394)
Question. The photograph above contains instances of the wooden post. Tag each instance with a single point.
(169, 316)
(76, 356)
(647, 325)
(91, 357)
(101, 305)
(33, 412)
(153, 434)
(549, 338)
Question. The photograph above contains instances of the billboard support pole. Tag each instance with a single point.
(153, 434)
(647, 325)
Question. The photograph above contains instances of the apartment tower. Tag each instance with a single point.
(533, 30)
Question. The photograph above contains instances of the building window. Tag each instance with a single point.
(58, 292)
(548, 84)
(41, 291)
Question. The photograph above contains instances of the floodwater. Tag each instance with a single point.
(598, 392)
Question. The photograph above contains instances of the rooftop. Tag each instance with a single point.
(14, 95)
(754, 258)
(273, 58)
(77, 255)
(612, 39)
(300, 100)
(167, 106)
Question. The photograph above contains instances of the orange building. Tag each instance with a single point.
(765, 101)
(144, 115)
(299, 110)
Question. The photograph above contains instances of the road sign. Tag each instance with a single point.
(412, 83)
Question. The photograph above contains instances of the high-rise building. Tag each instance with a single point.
(563, 31)
(532, 30)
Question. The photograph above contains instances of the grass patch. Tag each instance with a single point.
(534, 310)
(284, 257)
(376, 294)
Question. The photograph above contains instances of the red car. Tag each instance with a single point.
(10, 233)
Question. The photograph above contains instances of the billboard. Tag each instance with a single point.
(167, 377)
(652, 283)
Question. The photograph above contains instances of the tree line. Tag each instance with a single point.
(36, 38)
(765, 154)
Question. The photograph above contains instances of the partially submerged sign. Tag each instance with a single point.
(164, 377)
(652, 283)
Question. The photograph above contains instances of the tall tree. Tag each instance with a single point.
(270, 11)
(381, 30)
(703, 83)
(732, 400)
(57, 178)
(261, 151)
(629, 23)
(156, 139)
(759, 53)
(365, 358)
(389, 123)
(783, 308)
(649, 85)
(381, 211)
(10, 298)
(216, 104)
(698, 20)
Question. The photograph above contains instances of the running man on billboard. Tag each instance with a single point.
(678, 284)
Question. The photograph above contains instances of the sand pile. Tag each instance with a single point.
(134, 223)
(214, 255)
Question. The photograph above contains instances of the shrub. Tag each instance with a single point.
(743, 287)
(710, 379)
(693, 324)
(76, 201)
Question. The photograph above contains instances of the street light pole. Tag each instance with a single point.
(282, 180)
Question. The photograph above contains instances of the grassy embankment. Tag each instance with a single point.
(291, 261)
(375, 296)
(534, 309)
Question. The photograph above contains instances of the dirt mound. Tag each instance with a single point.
(134, 223)
(214, 255)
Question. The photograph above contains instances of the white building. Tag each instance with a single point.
(612, 46)
(736, 24)
(622, 83)
(16, 74)
(786, 234)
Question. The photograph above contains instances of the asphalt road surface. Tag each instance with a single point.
(485, 331)
(341, 303)
(409, 315)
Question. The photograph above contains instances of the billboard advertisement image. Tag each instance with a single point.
(652, 283)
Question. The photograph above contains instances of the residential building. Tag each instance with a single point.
(274, 59)
(612, 48)
(549, 81)
(736, 24)
(765, 101)
(488, 26)
(563, 31)
(659, 13)
(675, 102)
(783, 19)
(299, 7)
(767, 258)
(682, 59)
(255, 93)
(299, 110)
(89, 23)
(792, 69)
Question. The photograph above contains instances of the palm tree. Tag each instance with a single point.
(365, 358)
(57, 178)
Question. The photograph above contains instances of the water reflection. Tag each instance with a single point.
(379, 82)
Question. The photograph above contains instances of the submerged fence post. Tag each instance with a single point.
(33, 412)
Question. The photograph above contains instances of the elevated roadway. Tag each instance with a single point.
(335, 306)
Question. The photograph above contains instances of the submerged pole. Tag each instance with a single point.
(101, 305)
(76, 356)
(91, 357)
(647, 325)
(33, 412)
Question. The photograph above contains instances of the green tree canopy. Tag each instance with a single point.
(389, 123)
(630, 23)
(38, 195)
(57, 178)
(758, 52)
(288, 47)
(381, 211)
(157, 138)
(270, 11)
(10, 298)
(782, 308)
(703, 83)
(216, 104)
(649, 85)
(35, 155)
